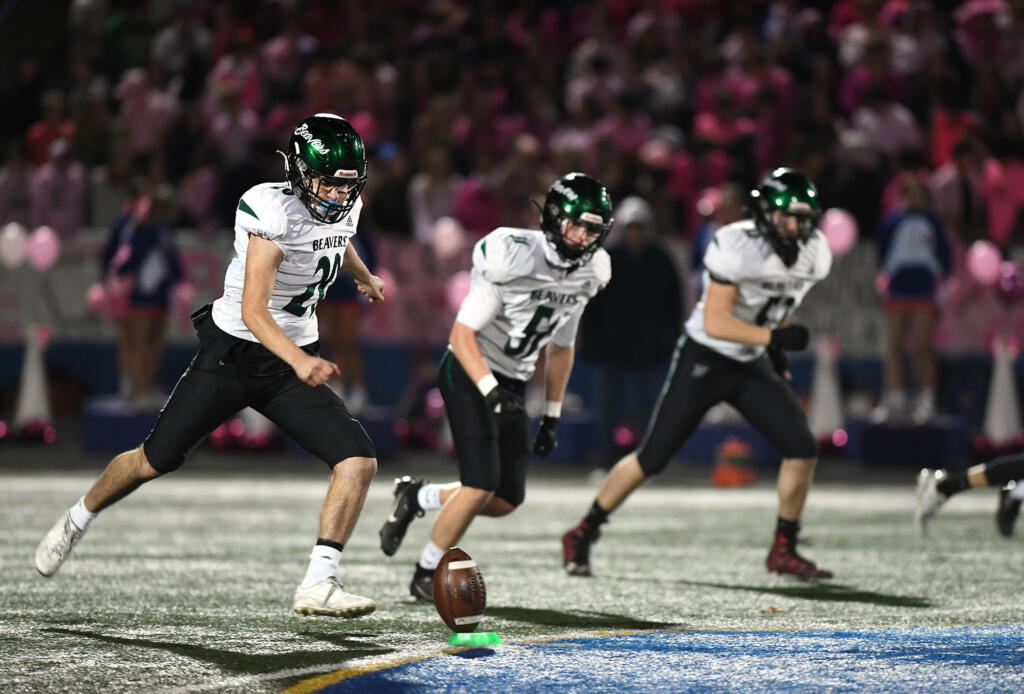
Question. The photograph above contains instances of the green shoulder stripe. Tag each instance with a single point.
(244, 207)
(483, 248)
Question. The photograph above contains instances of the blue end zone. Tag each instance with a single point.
(915, 659)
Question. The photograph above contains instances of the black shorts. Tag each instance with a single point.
(229, 374)
(488, 458)
(700, 378)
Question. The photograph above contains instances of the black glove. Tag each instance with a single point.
(504, 404)
(790, 337)
(780, 362)
(547, 436)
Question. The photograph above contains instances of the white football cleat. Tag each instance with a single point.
(929, 498)
(329, 598)
(57, 544)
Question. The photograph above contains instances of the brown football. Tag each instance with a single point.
(459, 591)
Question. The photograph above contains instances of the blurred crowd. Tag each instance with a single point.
(899, 110)
(469, 109)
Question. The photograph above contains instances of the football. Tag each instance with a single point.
(459, 592)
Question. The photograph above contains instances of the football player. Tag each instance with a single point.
(935, 487)
(756, 272)
(259, 348)
(528, 291)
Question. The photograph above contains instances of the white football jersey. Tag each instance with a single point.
(523, 295)
(768, 291)
(313, 254)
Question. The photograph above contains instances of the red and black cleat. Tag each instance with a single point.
(783, 559)
(576, 549)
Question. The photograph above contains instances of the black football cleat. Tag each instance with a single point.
(576, 549)
(422, 586)
(1008, 510)
(406, 509)
(783, 559)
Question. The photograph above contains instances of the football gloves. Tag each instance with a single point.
(790, 337)
(547, 436)
(504, 404)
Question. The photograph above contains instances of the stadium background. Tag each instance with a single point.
(469, 110)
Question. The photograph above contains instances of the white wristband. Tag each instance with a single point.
(553, 408)
(487, 384)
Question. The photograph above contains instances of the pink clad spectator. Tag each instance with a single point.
(53, 126)
(1003, 188)
(873, 70)
(890, 126)
(599, 83)
(724, 124)
(478, 129)
(577, 135)
(145, 113)
(284, 56)
(233, 127)
(432, 193)
(57, 191)
(240, 66)
(979, 29)
(754, 75)
(951, 122)
(957, 189)
(625, 128)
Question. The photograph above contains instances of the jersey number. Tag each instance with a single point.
(787, 304)
(295, 306)
(531, 336)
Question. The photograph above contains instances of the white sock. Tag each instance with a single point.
(429, 496)
(1018, 491)
(323, 562)
(431, 556)
(81, 516)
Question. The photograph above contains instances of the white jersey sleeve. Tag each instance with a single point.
(263, 216)
(481, 304)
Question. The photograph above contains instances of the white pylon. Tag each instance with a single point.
(33, 407)
(826, 397)
(1002, 413)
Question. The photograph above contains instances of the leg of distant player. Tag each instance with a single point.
(677, 414)
(935, 487)
(893, 399)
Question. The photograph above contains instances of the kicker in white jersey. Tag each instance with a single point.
(313, 254)
(767, 290)
(524, 295)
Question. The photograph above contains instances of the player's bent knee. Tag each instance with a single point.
(650, 465)
(500, 506)
(362, 468)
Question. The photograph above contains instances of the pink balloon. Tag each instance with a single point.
(456, 289)
(43, 248)
(983, 259)
(13, 245)
(840, 229)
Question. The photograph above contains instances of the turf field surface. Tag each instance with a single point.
(186, 586)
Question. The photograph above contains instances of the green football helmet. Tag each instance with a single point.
(325, 147)
(791, 193)
(583, 200)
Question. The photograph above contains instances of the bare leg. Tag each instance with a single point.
(894, 358)
(626, 476)
(494, 508)
(462, 507)
(345, 497)
(125, 473)
(795, 475)
(923, 331)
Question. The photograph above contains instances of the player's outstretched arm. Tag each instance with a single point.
(720, 323)
(261, 262)
(366, 282)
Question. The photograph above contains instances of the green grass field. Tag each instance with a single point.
(186, 585)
